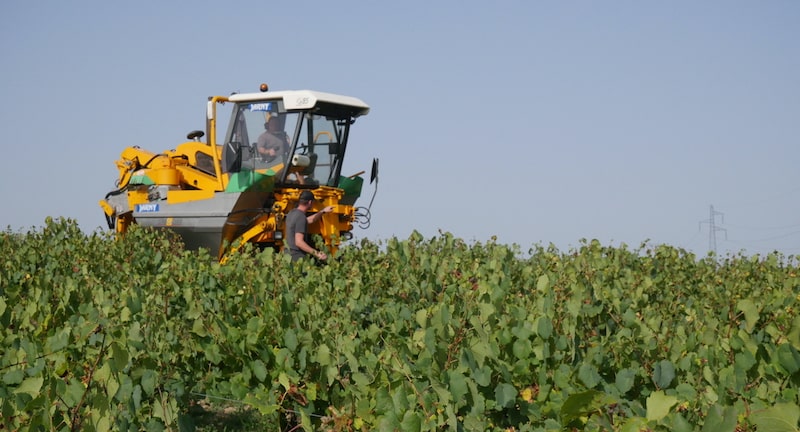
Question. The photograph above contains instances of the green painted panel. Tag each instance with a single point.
(141, 179)
(352, 189)
(248, 180)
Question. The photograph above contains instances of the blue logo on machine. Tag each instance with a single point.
(263, 106)
(146, 208)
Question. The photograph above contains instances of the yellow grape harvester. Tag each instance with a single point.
(222, 195)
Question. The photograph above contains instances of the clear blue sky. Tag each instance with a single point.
(536, 122)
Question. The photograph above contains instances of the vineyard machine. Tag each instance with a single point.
(221, 196)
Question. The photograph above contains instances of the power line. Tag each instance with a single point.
(776, 237)
(764, 228)
(752, 244)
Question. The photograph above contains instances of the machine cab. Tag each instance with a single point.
(300, 136)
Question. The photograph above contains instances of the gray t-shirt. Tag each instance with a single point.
(295, 223)
(278, 140)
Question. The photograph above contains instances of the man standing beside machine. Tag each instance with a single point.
(297, 227)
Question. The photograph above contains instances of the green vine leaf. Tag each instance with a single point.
(30, 386)
(663, 374)
(505, 395)
(782, 417)
(659, 405)
(584, 404)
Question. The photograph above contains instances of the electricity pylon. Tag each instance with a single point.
(713, 228)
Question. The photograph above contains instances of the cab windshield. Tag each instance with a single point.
(300, 147)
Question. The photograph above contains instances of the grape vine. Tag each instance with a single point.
(418, 334)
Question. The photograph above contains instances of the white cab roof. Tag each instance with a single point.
(304, 99)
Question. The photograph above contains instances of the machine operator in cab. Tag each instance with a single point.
(274, 141)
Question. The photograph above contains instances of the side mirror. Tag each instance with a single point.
(374, 174)
(333, 148)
